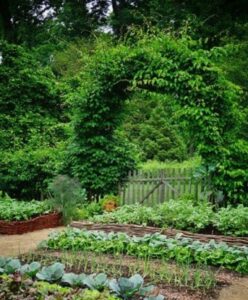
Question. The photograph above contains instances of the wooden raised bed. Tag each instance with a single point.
(138, 230)
(37, 223)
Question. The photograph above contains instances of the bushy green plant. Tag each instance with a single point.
(32, 124)
(185, 214)
(87, 210)
(182, 213)
(232, 221)
(12, 210)
(128, 214)
(67, 194)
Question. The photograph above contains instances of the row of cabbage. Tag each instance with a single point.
(123, 288)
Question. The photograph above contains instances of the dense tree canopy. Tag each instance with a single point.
(135, 79)
(31, 123)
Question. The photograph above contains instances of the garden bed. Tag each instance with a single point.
(138, 230)
(41, 222)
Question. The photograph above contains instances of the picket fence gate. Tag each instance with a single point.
(154, 187)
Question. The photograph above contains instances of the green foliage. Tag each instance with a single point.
(46, 288)
(96, 282)
(31, 124)
(152, 125)
(154, 246)
(162, 64)
(95, 295)
(12, 210)
(74, 280)
(51, 273)
(67, 194)
(127, 288)
(154, 165)
(89, 209)
(179, 214)
(182, 214)
(30, 269)
(99, 284)
(232, 221)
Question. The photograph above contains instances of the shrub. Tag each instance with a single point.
(67, 194)
(184, 214)
(232, 221)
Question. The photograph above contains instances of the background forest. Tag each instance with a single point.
(66, 107)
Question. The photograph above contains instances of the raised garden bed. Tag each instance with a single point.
(138, 230)
(41, 222)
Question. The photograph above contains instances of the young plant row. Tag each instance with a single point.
(124, 288)
(182, 250)
(182, 214)
(193, 277)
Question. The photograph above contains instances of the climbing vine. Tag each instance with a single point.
(160, 64)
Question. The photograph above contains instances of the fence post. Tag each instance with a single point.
(162, 194)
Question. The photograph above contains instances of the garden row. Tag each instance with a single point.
(182, 250)
(94, 286)
(183, 214)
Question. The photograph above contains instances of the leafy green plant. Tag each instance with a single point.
(232, 220)
(67, 194)
(12, 210)
(182, 213)
(30, 269)
(182, 250)
(46, 288)
(12, 265)
(96, 282)
(73, 279)
(87, 210)
(127, 288)
(51, 273)
(99, 285)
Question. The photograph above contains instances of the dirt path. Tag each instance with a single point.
(13, 245)
(237, 291)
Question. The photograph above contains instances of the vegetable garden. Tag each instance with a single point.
(125, 122)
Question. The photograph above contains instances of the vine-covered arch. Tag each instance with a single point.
(159, 64)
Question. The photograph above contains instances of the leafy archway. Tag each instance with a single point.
(160, 64)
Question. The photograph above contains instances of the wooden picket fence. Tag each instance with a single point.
(152, 188)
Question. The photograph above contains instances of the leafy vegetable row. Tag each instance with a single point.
(12, 210)
(125, 288)
(182, 214)
(182, 250)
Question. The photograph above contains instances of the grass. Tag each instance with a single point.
(154, 165)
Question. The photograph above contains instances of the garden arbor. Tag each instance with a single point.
(163, 65)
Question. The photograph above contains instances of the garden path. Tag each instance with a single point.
(13, 245)
(236, 291)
